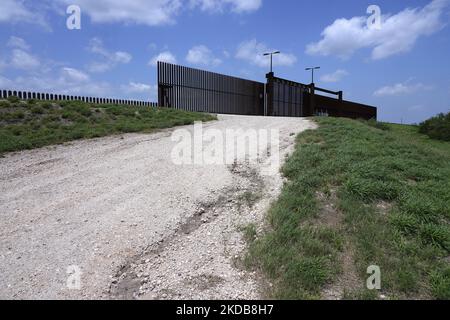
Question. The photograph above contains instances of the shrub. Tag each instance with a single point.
(12, 116)
(13, 99)
(51, 118)
(4, 104)
(37, 110)
(379, 125)
(79, 107)
(17, 130)
(17, 115)
(437, 127)
(73, 116)
(46, 105)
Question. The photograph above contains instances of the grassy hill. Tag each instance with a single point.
(359, 194)
(27, 125)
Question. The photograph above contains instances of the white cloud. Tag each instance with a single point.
(202, 55)
(121, 57)
(165, 56)
(74, 75)
(21, 59)
(13, 11)
(238, 6)
(245, 5)
(252, 51)
(401, 89)
(142, 12)
(155, 12)
(137, 90)
(398, 33)
(110, 59)
(151, 13)
(134, 87)
(16, 42)
(335, 76)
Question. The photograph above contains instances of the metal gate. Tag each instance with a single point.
(197, 90)
(285, 98)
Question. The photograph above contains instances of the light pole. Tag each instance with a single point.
(271, 58)
(312, 72)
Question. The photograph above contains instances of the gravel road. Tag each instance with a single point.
(134, 224)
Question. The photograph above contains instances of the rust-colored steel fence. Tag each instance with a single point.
(197, 90)
(28, 95)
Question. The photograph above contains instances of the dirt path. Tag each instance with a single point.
(136, 224)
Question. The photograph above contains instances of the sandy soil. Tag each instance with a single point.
(137, 225)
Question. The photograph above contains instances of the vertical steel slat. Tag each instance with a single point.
(202, 85)
(194, 107)
(186, 88)
(183, 87)
(163, 75)
(214, 84)
(159, 81)
(190, 89)
(179, 88)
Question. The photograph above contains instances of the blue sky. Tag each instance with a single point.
(402, 67)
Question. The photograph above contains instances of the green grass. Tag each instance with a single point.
(367, 165)
(249, 198)
(250, 233)
(37, 124)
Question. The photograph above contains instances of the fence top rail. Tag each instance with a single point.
(327, 91)
(290, 82)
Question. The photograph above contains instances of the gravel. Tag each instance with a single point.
(135, 224)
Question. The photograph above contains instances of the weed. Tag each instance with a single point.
(37, 110)
(249, 232)
(4, 104)
(379, 125)
(13, 99)
(46, 105)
